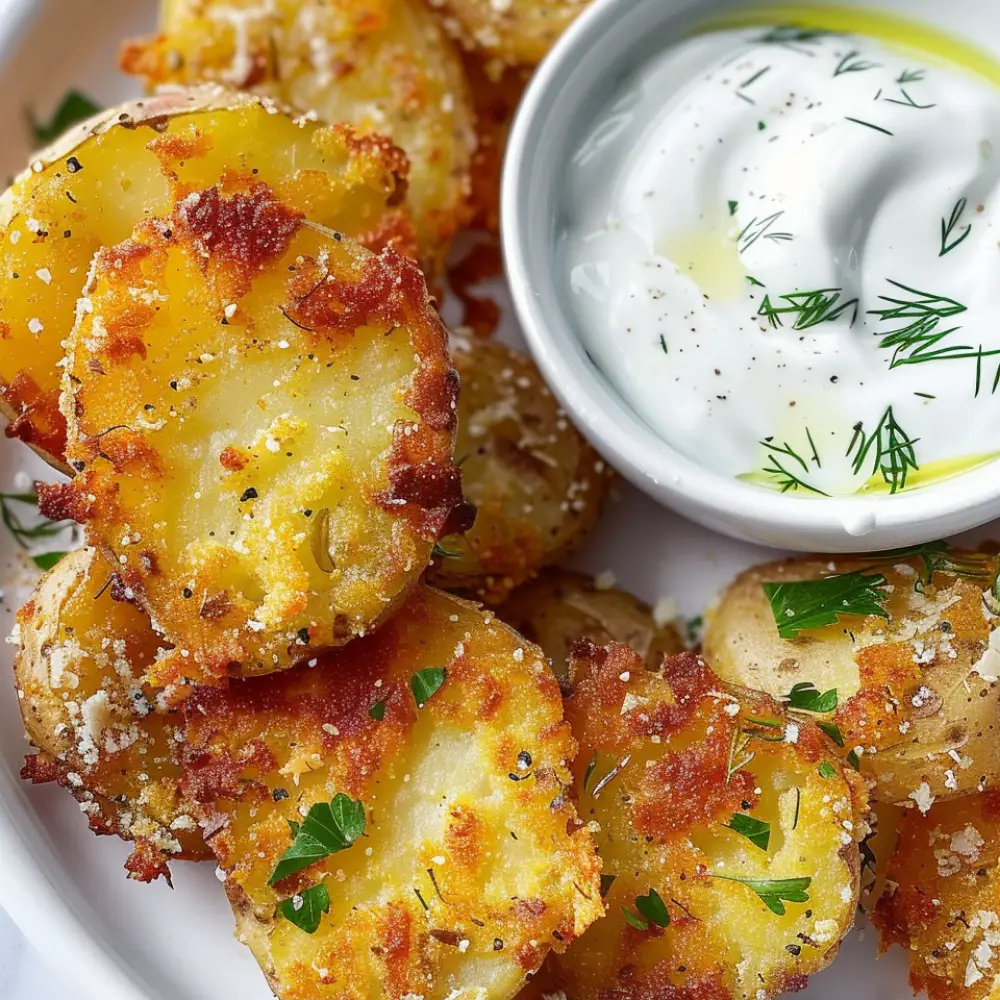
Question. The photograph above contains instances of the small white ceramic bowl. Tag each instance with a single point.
(574, 82)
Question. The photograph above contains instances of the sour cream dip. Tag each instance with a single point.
(782, 246)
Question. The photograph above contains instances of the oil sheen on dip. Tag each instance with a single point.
(783, 250)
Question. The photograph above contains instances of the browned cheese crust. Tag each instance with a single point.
(261, 418)
(473, 864)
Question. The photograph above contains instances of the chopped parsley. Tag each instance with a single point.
(306, 909)
(73, 108)
(377, 711)
(653, 909)
(756, 831)
(328, 828)
(774, 893)
(827, 770)
(802, 605)
(807, 698)
(426, 683)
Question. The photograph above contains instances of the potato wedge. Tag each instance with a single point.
(379, 65)
(561, 606)
(442, 737)
(93, 186)
(728, 834)
(917, 692)
(100, 731)
(942, 904)
(518, 32)
(261, 417)
(535, 482)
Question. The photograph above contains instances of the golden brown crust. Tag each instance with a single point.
(100, 732)
(917, 692)
(142, 156)
(535, 482)
(668, 759)
(380, 65)
(261, 417)
(472, 865)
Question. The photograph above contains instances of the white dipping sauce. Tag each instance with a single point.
(783, 252)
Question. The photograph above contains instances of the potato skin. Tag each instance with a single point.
(262, 419)
(667, 760)
(535, 482)
(942, 900)
(378, 65)
(560, 607)
(92, 186)
(100, 732)
(463, 797)
(910, 696)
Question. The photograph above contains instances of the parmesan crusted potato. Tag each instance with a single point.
(100, 731)
(728, 834)
(536, 483)
(515, 32)
(380, 65)
(95, 184)
(435, 753)
(916, 692)
(562, 606)
(261, 418)
(942, 904)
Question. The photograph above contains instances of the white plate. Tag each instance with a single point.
(65, 888)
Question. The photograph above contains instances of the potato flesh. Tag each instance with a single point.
(97, 183)
(721, 938)
(382, 66)
(535, 482)
(917, 692)
(78, 672)
(242, 460)
(438, 797)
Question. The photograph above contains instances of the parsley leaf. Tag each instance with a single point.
(938, 557)
(801, 605)
(774, 893)
(756, 831)
(440, 552)
(652, 907)
(377, 711)
(328, 828)
(46, 560)
(827, 770)
(806, 697)
(73, 108)
(639, 923)
(306, 909)
(833, 731)
(425, 683)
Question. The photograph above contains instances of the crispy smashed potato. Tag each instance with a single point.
(536, 483)
(100, 731)
(728, 834)
(943, 903)
(262, 418)
(518, 32)
(445, 729)
(562, 606)
(94, 185)
(917, 692)
(379, 65)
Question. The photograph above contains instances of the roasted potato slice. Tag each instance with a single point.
(728, 834)
(102, 733)
(562, 606)
(942, 904)
(511, 31)
(916, 692)
(94, 185)
(441, 735)
(380, 65)
(536, 483)
(262, 417)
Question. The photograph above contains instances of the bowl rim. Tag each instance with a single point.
(739, 509)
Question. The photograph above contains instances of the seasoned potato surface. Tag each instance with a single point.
(917, 693)
(262, 419)
(727, 831)
(943, 902)
(536, 483)
(380, 65)
(95, 184)
(101, 733)
(445, 729)
(561, 606)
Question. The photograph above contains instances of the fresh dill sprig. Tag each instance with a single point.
(948, 227)
(938, 557)
(809, 308)
(852, 63)
(873, 127)
(779, 469)
(911, 76)
(757, 229)
(917, 340)
(794, 37)
(892, 448)
(908, 102)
